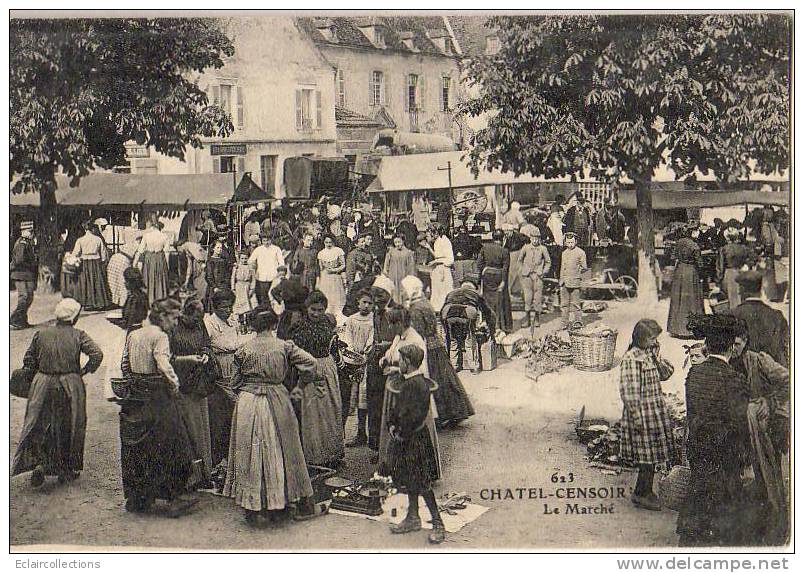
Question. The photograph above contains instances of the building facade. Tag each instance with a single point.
(401, 72)
(280, 93)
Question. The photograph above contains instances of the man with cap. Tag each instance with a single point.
(579, 220)
(768, 330)
(534, 265)
(573, 265)
(23, 273)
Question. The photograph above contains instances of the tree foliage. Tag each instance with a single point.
(614, 95)
(81, 88)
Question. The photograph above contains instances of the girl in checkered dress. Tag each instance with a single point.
(647, 437)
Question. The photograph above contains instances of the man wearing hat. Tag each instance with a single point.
(461, 315)
(534, 265)
(573, 265)
(768, 330)
(23, 273)
(579, 220)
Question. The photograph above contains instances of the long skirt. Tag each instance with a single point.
(221, 405)
(769, 286)
(451, 398)
(267, 468)
(69, 284)
(118, 263)
(499, 301)
(442, 285)
(332, 287)
(461, 269)
(686, 298)
(384, 467)
(93, 289)
(731, 288)
(321, 426)
(413, 464)
(155, 274)
(55, 426)
(195, 415)
(155, 451)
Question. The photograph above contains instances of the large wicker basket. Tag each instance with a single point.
(594, 351)
(674, 486)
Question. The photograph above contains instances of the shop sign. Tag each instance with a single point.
(137, 151)
(227, 149)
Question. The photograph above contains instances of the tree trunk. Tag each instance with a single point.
(47, 238)
(648, 291)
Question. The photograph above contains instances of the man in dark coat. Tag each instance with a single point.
(768, 330)
(580, 220)
(23, 273)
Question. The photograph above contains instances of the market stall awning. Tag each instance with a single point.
(665, 200)
(417, 142)
(125, 192)
(428, 171)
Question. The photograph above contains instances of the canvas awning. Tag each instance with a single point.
(420, 142)
(666, 200)
(126, 192)
(428, 171)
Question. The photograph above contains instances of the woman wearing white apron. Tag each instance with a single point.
(441, 276)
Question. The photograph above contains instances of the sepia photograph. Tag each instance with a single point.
(400, 281)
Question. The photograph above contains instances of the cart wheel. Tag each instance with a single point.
(629, 289)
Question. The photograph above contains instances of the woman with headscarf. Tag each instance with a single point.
(321, 426)
(382, 290)
(686, 293)
(646, 436)
(451, 400)
(118, 263)
(493, 264)
(401, 327)
(218, 273)
(267, 469)
(399, 263)
(135, 310)
(332, 262)
(53, 433)
(196, 381)
(155, 450)
(718, 446)
(92, 289)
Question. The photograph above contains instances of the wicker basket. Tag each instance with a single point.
(593, 352)
(674, 486)
(121, 388)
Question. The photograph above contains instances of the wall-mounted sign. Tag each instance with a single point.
(137, 151)
(227, 149)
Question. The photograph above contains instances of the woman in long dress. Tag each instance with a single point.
(305, 262)
(155, 450)
(493, 264)
(190, 337)
(267, 468)
(404, 334)
(153, 262)
(118, 263)
(218, 273)
(195, 279)
(53, 433)
(332, 261)
(92, 289)
(399, 263)
(451, 400)
(686, 293)
(321, 426)
(244, 284)
(441, 276)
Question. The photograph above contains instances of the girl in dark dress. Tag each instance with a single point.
(411, 452)
(135, 309)
(52, 440)
(218, 273)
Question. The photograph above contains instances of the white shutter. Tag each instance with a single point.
(371, 88)
(384, 90)
(241, 165)
(318, 114)
(216, 95)
(216, 164)
(406, 83)
(240, 111)
(299, 113)
(421, 94)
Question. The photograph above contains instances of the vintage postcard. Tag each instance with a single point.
(400, 281)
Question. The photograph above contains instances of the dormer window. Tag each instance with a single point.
(407, 40)
(492, 45)
(326, 28)
(441, 40)
(374, 34)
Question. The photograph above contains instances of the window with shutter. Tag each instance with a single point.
(216, 95)
(299, 116)
(445, 89)
(421, 94)
(240, 110)
(216, 165)
(241, 165)
(318, 114)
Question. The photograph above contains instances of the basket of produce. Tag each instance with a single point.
(673, 487)
(593, 348)
(353, 358)
(555, 347)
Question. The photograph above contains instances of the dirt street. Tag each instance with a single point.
(522, 434)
